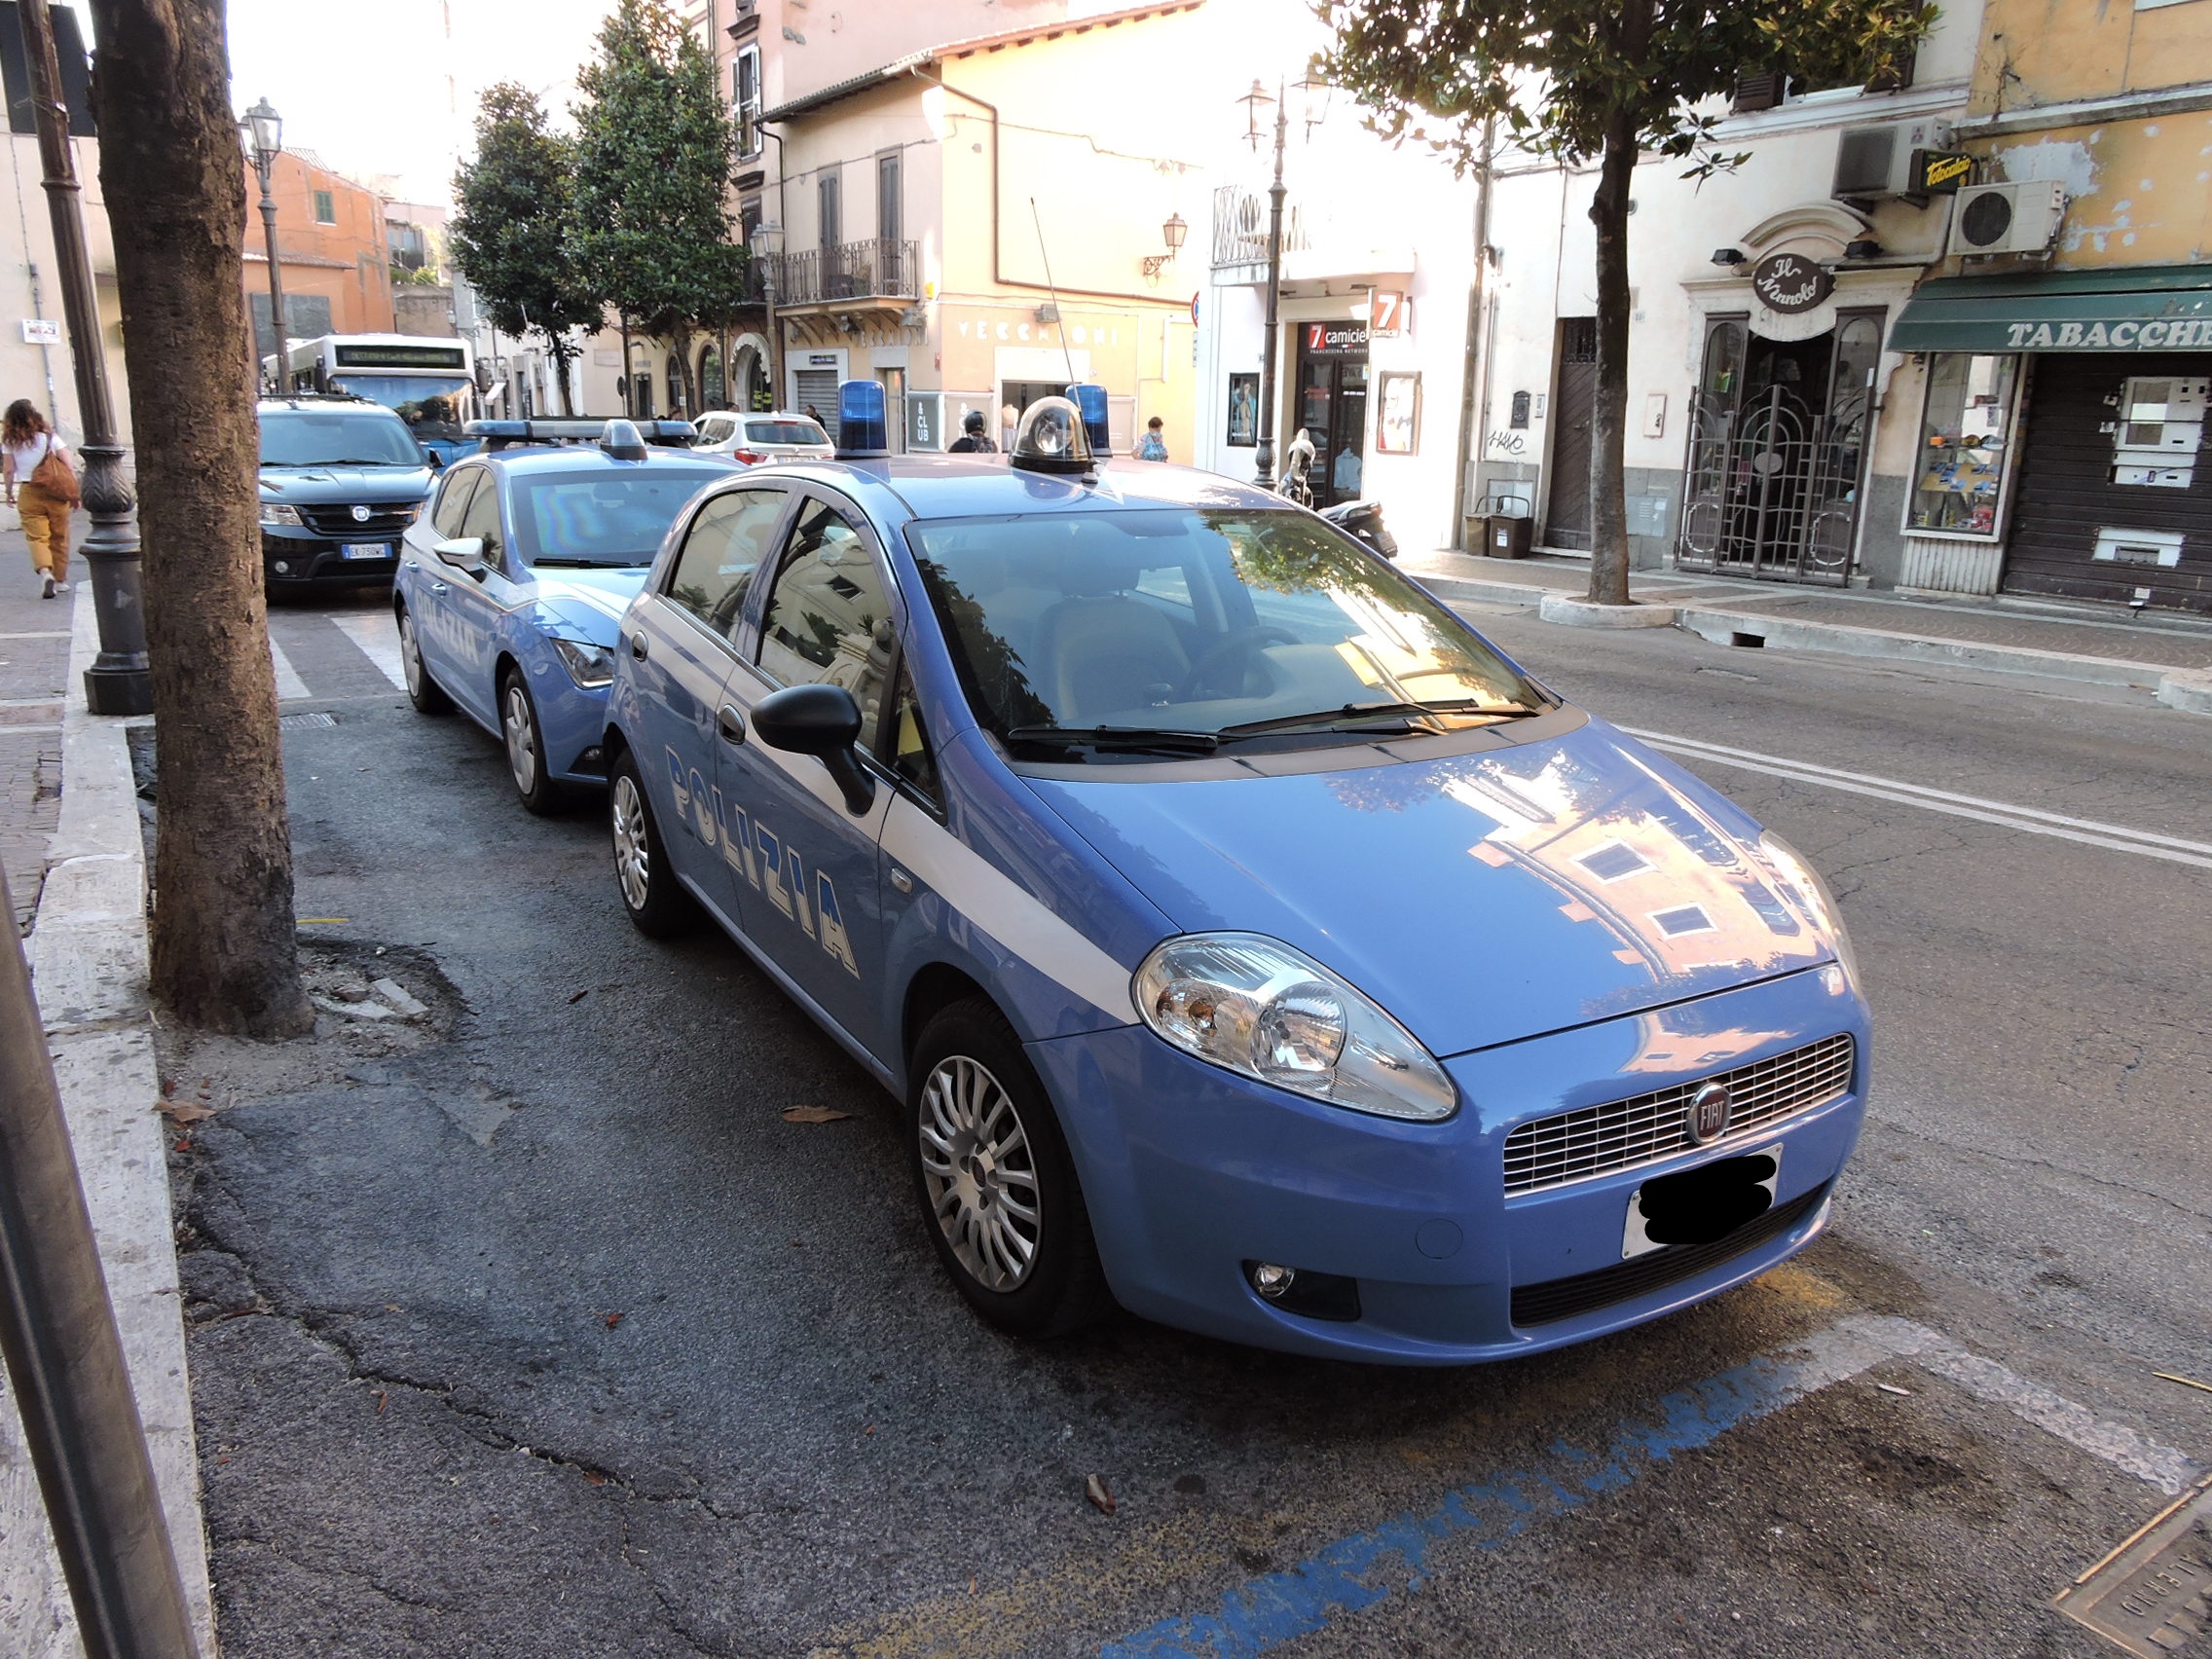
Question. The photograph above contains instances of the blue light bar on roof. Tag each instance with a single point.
(1092, 400)
(863, 426)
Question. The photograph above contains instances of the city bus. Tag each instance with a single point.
(430, 380)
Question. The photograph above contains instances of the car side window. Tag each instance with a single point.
(453, 501)
(828, 618)
(907, 739)
(481, 517)
(727, 542)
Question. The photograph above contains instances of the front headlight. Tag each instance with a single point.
(276, 512)
(588, 665)
(1254, 1005)
(1813, 897)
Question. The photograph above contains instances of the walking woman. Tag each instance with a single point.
(26, 441)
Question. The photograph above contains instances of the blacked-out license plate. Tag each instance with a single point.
(1696, 1206)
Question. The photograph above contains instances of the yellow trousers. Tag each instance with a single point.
(46, 526)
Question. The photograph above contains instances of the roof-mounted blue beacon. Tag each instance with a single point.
(1052, 438)
(864, 430)
(1092, 400)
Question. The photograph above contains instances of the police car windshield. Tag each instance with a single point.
(599, 516)
(1191, 621)
(350, 437)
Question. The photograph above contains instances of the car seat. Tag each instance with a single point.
(1102, 653)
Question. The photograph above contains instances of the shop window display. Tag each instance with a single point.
(1965, 437)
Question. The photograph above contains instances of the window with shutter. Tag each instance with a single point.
(1758, 92)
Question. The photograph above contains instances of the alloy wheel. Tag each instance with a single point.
(633, 856)
(521, 733)
(409, 656)
(979, 1173)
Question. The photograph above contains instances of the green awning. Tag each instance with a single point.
(2150, 308)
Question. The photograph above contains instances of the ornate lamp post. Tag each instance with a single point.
(765, 236)
(1314, 111)
(118, 682)
(263, 130)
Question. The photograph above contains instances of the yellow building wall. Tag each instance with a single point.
(2039, 52)
(2141, 190)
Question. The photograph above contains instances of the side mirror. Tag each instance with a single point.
(465, 551)
(822, 720)
(437, 461)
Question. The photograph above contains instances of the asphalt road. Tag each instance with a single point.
(538, 1331)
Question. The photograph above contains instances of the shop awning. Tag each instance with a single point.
(2150, 308)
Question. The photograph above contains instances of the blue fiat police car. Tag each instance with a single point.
(1250, 941)
(510, 587)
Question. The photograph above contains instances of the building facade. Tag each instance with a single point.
(332, 251)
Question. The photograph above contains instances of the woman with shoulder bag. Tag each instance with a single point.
(42, 485)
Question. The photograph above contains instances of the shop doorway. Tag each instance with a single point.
(1574, 402)
(1777, 450)
(1332, 408)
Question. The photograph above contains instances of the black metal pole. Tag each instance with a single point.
(263, 164)
(118, 682)
(1264, 449)
(64, 1357)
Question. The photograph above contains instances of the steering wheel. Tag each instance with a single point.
(1229, 649)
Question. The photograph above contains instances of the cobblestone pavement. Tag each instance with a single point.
(34, 658)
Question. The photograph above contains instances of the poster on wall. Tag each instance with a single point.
(1243, 411)
(1397, 428)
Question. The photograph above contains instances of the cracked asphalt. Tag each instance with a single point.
(533, 1329)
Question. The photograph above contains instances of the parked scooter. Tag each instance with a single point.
(1363, 520)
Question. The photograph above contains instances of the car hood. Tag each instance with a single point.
(1480, 899)
(312, 486)
(584, 604)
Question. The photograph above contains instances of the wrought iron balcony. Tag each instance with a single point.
(878, 269)
(1240, 226)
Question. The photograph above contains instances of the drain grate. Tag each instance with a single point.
(312, 722)
(2153, 1595)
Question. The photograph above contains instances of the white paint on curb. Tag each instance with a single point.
(88, 966)
(1582, 613)
(2190, 691)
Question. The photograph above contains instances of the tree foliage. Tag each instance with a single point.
(512, 234)
(1603, 80)
(655, 152)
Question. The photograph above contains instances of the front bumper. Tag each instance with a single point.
(1189, 1171)
(301, 557)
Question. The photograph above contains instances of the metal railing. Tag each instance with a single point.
(879, 267)
(1240, 226)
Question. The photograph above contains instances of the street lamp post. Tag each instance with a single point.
(263, 130)
(1264, 448)
(764, 235)
(118, 682)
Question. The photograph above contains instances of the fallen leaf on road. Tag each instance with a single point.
(870, 1429)
(578, 996)
(611, 1319)
(184, 1113)
(813, 1114)
(1094, 1488)
(383, 1400)
(595, 1477)
(1892, 1388)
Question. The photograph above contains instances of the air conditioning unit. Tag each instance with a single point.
(2008, 218)
(1875, 163)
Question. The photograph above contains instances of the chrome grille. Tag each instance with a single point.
(385, 520)
(1597, 1140)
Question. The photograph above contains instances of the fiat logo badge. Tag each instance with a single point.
(360, 515)
(1709, 1109)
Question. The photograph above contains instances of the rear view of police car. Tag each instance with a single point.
(1248, 941)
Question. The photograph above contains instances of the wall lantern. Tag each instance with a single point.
(1726, 257)
(1174, 233)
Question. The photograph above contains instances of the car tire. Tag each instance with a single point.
(985, 1147)
(524, 740)
(422, 691)
(655, 901)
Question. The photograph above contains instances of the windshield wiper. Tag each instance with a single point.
(1132, 739)
(345, 460)
(626, 562)
(1352, 715)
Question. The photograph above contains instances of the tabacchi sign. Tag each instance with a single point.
(1790, 284)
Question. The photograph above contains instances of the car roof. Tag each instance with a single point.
(575, 458)
(959, 486)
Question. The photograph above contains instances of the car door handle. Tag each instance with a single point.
(638, 647)
(731, 724)
(414, 564)
(440, 587)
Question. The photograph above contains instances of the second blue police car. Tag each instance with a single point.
(1249, 941)
(510, 588)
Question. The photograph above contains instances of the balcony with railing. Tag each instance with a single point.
(880, 270)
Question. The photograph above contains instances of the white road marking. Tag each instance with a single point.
(2006, 814)
(290, 687)
(377, 633)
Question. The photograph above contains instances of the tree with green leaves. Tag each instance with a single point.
(655, 146)
(513, 230)
(1604, 80)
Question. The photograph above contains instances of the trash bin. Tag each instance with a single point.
(1506, 536)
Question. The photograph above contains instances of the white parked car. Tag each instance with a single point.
(755, 439)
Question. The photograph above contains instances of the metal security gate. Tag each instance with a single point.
(1778, 447)
(1574, 402)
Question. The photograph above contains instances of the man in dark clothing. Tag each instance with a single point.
(975, 438)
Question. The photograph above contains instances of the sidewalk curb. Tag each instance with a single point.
(2187, 690)
(88, 967)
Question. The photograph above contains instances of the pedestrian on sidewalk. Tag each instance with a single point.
(1153, 446)
(28, 446)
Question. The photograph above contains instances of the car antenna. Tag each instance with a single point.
(1046, 254)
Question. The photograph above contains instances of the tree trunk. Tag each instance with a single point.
(680, 336)
(1608, 422)
(629, 379)
(558, 349)
(225, 954)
